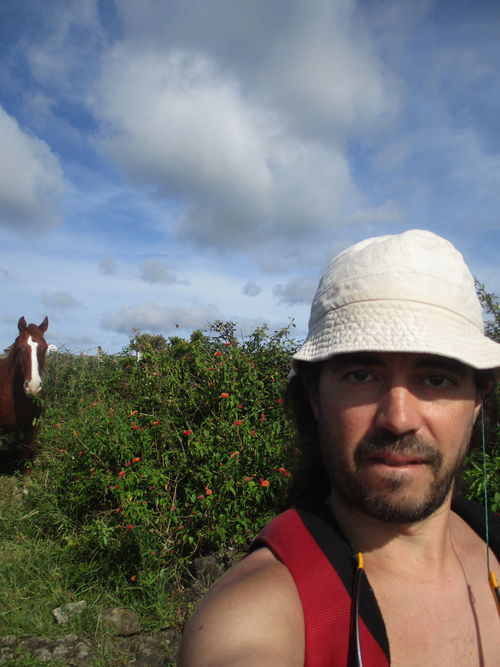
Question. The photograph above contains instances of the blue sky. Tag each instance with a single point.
(165, 164)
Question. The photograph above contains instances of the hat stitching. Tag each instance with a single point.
(424, 303)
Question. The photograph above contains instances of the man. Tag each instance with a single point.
(377, 562)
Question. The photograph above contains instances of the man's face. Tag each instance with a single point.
(394, 429)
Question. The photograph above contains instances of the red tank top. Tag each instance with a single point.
(309, 542)
(321, 563)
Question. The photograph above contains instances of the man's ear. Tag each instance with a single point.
(310, 380)
(481, 394)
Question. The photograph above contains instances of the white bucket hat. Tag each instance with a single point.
(409, 292)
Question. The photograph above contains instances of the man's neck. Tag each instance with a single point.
(407, 548)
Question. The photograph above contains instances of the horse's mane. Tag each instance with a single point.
(10, 353)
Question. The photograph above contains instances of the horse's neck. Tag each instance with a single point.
(8, 366)
(11, 382)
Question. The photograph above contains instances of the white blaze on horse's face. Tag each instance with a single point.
(33, 385)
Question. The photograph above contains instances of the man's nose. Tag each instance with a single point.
(399, 411)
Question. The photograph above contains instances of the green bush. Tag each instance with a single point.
(183, 450)
(482, 474)
(182, 453)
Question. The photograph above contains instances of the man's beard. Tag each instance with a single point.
(391, 504)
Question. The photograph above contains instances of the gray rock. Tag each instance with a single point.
(170, 638)
(65, 613)
(139, 650)
(145, 651)
(208, 569)
(70, 651)
(7, 648)
(121, 621)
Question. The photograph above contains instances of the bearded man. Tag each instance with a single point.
(378, 560)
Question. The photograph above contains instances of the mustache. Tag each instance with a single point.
(384, 443)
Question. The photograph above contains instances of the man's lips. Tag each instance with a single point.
(397, 460)
(408, 451)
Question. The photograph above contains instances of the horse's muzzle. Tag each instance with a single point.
(32, 387)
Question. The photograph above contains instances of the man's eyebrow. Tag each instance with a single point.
(436, 362)
(429, 361)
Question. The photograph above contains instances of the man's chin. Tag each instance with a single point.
(391, 511)
(396, 505)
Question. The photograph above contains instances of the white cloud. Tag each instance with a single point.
(387, 212)
(472, 165)
(59, 300)
(314, 61)
(107, 266)
(4, 273)
(179, 124)
(191, 122)
(251, 288)
(245, 326)
(158, 318)
(31, 180)
(297, 290)
(248, 153)
(154, 271)
(72, 28)
(326, 73)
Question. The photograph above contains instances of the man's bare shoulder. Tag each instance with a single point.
(252, 615)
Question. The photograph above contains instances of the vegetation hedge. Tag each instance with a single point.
(149, 460)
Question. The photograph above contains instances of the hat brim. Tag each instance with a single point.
(399, 326)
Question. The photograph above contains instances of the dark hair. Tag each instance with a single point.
(485, 381)
(310, 479)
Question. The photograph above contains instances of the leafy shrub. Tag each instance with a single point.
(149, 460)
(482, 476)
(181, 453)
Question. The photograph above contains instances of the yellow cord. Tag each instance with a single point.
(495, 588)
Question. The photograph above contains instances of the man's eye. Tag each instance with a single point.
(360, 376)
(438, 381)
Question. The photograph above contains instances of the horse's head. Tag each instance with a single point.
(30, 350)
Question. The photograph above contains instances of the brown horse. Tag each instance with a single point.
(21, 389)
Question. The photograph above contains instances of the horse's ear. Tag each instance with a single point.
(21, 325)
(43, 326)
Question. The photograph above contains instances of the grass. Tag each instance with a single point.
(33, 577)
(35, 580)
